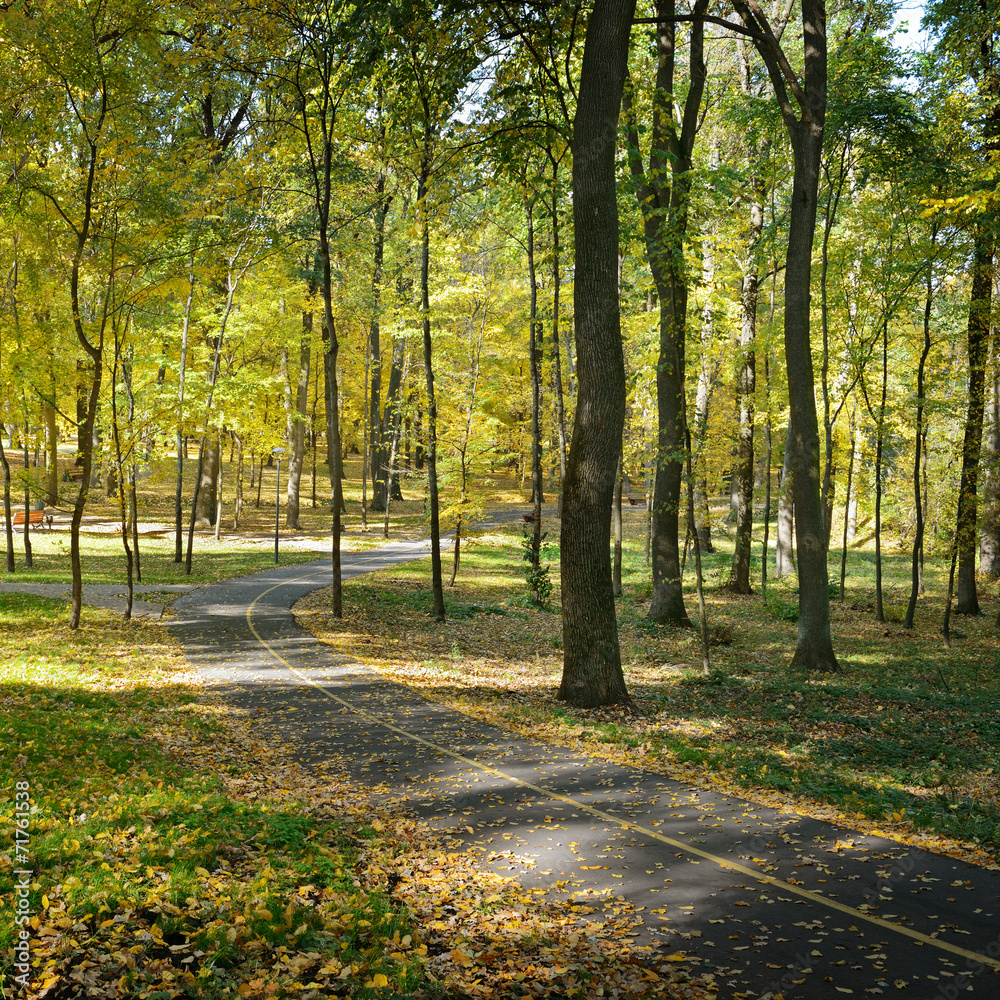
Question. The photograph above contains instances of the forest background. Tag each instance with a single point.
(304, 226)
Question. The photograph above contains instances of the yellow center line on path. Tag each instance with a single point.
(814, 897)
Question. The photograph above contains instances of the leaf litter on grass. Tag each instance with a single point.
(884, 746)
(180, 851)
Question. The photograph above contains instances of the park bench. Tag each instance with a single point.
(636, 501)
(35, 518)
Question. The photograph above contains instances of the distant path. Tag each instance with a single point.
(110, 596)
(771, 902)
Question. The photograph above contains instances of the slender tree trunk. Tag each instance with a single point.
(848, 500)
(918, 441)
(592, 673)
(181, 437)
(7, 511)
(425, 308)
(119, 463)
(989, 542)
(535, 359)
(297, 429)
(616, 524)
(784, 562)
(967, 602)
(215, 456)
(879, 445)
(665, 209)
(768, 449)
(27, 500)
(708, 370)
(52, 453)
(746, 387)
(699, 581)
(556, 353)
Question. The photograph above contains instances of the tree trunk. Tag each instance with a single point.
(592, 672)
(665, 214)
(380, 428)
(918, 442)
(297, 428)
(8, 514)
(989, 542)
(879, 446)
(746, 387)
(181, 436)
(425, 309)
(52, 454)
(848, 500)
(784, 562)
(535, 359)
(28, 561)
(814, 645)
(967, 599)
(556, 352)
(708, 370)
(616, 523)
(208, 481)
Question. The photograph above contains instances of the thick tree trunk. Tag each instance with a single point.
(967, 599)
(814, 645)
(208, 481)
(592, 672)
(297, 427)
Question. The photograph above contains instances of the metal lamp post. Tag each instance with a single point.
(277, 452)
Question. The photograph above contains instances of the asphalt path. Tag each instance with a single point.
(773, 903)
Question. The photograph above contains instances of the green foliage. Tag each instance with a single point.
(537, 579)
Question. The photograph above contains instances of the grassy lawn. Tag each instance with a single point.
(904, 739)
(176, 849)
(237, 553)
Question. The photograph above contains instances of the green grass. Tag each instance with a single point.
(103, 559)
(142, 854)
(906, 735)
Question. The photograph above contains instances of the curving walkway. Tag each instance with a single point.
(773, 903)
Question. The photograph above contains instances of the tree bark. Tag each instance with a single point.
(8, 514)
(592, 672)
(52, 453)
(784, 562)
(297, 428)
(437, 587)
(967, 598)
(746, 387)
(181, 437)
(918, 441)
(665, 214)
(535, 359)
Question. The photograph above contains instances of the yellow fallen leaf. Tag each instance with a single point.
(379, 980)
(677, 956)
